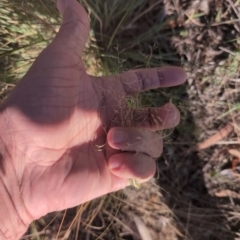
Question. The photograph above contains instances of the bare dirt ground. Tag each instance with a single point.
(201, 186)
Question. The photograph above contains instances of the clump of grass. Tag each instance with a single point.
(130, 34)
(26, 28)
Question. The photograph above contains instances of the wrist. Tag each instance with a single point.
(14, 219)
(12, 226)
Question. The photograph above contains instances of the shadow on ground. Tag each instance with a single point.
(183, 185)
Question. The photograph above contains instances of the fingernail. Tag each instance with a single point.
(114, 163)
(171, 76)
(119, 136)
(172, 118)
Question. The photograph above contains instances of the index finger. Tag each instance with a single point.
(141, 80)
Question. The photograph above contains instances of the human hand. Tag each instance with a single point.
(68, 136)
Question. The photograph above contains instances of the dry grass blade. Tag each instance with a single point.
(143, 231)
(227, 193)
(234, 152)
(234, 9)
(119, 222)
(220, 135)
(225, 22)
(64, 215)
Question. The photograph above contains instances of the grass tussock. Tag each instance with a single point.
(26, 28)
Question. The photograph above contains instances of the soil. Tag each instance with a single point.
(192, 178)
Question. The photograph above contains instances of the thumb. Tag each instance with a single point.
(74, 30)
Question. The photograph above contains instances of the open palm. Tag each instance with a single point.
(72, 139)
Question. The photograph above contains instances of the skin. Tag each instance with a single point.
(65, 135)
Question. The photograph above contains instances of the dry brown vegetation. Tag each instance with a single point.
(196, 191)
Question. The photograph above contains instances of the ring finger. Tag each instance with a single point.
(135, 140)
